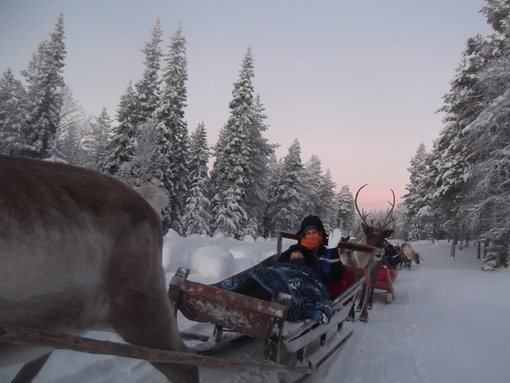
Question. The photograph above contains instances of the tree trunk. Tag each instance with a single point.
(454, 245)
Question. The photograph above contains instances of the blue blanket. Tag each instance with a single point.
(310, 298)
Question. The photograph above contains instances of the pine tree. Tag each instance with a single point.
(197, 218)
(274, 174)
(96, 144)
(416, 203)
(124, 141)
(232, 152)
(312, 178)
(12, 114)
(146, 165)
(327, 197)
(257, 171)
(345, 211)
(45, 82)
(147, 89)
(289, 197)
(170, 118)
(487, 200)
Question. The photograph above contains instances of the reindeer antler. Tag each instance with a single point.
(389, 219)
(361, 215)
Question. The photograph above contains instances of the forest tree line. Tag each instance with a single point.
(248, 190)
(460, 190)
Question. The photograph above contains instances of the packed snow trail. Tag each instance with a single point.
(426, 334)
(448, 323)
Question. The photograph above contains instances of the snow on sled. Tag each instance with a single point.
(384, 281)
(236, 317)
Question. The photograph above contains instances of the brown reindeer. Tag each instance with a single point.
(81, 250)
(373, 235)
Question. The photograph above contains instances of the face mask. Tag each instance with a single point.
(311, 242)
(298, 261)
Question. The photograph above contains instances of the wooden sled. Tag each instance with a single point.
(384, 281)
(304, 343)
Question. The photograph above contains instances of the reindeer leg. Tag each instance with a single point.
(30, 369)
(141, 313)
(373, 275)
(148, 321)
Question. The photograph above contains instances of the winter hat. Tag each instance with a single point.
(311, 222)
(285, 257)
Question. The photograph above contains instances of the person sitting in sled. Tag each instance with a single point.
(301, 271)
(390, 256)
(322, 252)
(294, 275)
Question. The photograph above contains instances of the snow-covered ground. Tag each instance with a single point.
(447, 323)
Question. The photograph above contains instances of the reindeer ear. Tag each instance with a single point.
(365, 227)
(387, 233)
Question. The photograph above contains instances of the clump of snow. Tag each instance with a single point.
(249, 239)
(211, 261)
(219, 235)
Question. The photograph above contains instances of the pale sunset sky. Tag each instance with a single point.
(358, 83)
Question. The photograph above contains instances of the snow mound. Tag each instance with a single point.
(211, 261)
(175, 254)
(248, 239)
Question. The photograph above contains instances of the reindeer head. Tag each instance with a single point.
(375, 234)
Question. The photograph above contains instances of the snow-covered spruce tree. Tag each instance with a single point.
(197, 218)
(257, 171)
(97, 142)
(400, 224)
(456, 158)
(345, 213)
(416, 204)
(275, 169)
(170, 119)
(288, 198)
(312, 178)
(12, 114)
(327, 196)
(124, 139)
(232, 151)
(145, 165)
(45, 81)
(147, 88)
(450, 167)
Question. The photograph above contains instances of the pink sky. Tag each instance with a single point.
(357, 83)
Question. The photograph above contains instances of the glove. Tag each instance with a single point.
(334, 239)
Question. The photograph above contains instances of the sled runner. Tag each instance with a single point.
(303, 343)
